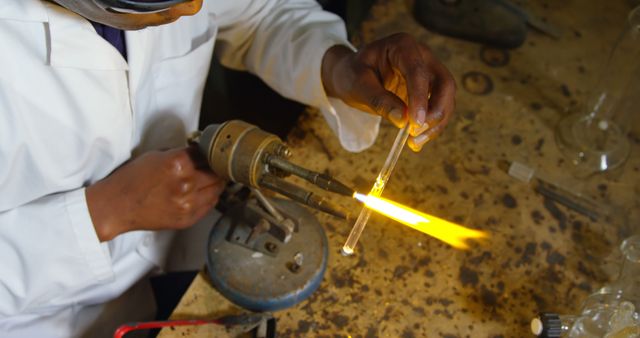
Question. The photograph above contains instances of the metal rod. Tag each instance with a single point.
(378, 187)
(323, 181)
(267, 205)
(548, 191)
(303, 196)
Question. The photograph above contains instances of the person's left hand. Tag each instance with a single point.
(391, 77)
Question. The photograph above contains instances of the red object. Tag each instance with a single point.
(126, 328)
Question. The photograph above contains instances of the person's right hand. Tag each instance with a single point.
(159, 190)
(396, 77)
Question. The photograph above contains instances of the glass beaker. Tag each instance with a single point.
(595, 139)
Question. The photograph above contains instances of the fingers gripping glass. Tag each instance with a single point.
(138, 6)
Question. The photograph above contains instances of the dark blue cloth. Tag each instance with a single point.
(113, 35)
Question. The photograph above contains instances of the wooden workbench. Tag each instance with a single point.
(541, 255)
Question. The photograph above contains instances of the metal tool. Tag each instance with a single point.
(556, 191)
(250, 265)
(243, 153)
(265, 253)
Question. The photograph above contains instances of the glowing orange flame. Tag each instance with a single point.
(450, 233)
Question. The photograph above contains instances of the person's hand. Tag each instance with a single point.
(391, 77)
(159, 190)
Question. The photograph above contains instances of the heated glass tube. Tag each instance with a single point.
(378, 187)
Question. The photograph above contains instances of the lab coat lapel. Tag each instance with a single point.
(75, 44)
(139, 48)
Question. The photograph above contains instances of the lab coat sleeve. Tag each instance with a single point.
(48, 248)
(283, 42)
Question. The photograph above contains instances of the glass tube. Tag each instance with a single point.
(378, 187)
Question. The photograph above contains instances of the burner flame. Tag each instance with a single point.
(450, 233)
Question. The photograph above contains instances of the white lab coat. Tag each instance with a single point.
(73, 110)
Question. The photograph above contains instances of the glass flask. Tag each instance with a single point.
(611, 312)
(595, 138)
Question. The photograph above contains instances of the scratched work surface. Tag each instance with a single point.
(541, 256)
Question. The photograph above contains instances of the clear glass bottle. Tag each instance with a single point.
(595, 139)
(552, 325)
(610, 312)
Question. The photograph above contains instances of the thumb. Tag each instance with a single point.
(380, 101)
(391, 107)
